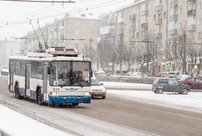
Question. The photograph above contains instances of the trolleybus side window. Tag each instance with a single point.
(36, 69)
(19, 67)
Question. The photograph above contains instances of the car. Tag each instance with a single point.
(193, 82)
(98, 90)
(161, 85)
(164, 74)
(101, 73)
(182, 77)
(172, 74)
(136, 74)
(4, 72)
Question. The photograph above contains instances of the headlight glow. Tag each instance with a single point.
(53, 93)
(103, 90)
(87, 94)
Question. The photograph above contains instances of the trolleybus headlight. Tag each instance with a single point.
(53, 93)
(87, 94)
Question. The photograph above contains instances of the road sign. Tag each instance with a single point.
(169, 65)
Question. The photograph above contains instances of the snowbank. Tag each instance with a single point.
(16, 124)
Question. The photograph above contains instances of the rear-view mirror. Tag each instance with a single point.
(48, 71)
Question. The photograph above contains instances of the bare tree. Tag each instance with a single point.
(106, 47)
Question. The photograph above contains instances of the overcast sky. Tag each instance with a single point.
(15, 16)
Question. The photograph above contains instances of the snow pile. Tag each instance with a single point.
(16, 124)
(121, 85)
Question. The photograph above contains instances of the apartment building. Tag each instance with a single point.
(80, 32)
(157, 28)
(7, 49)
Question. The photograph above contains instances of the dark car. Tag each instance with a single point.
(193, 82)
(181, 77)
(161, 85)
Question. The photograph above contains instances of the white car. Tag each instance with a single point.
(100, 73)
(4, 72)
(136, 74)
(98, 90)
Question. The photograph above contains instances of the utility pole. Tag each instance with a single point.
(184, 55)
(167, 51)
(147, 70)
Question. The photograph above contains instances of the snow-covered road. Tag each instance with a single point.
(192, 101)
(143, 93)
(12, 119)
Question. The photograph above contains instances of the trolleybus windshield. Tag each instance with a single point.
(70, 73)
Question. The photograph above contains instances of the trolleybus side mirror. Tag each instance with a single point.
(49, 70)
(91, 73)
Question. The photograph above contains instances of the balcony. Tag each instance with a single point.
(121, 31)
(144, 36)
(174, 3)
(120, 25)
(158, 7)
(173, 31)
(191, 12)
(173, 17)
(191, 7)
(194, 1)
(191, 28)
(158, 21)
(158, 35)
(132, 17)
(144, 12)
(200, 35)
(120, 38)
(144, 26)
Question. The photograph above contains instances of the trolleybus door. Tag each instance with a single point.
(11, 77)
(45, 81)
(27, 79)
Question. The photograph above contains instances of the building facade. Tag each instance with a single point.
(80, 32)
(160, 31)
(7, 49)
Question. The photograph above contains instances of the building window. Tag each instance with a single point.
(180, 10)
(164, 14)
(200, 35)
(122, 14)
(191, 20)
(137, 35)
(77, 32)
(160, 16)
(200, 21)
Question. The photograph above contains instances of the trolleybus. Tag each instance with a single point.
(57, 77)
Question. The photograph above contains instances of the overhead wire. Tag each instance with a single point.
(95, 6)
(35, 13)
(42, 1)
(111, 3)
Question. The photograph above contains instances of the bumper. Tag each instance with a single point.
(98, 93)
(68, 99)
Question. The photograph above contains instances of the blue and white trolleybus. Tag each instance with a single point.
(58, 76)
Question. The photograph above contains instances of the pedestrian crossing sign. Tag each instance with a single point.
(168, 65)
